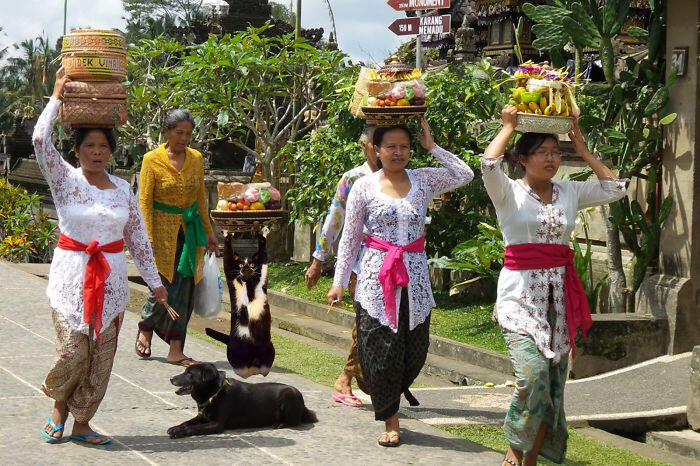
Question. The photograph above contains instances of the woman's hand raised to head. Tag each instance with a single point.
(509, 116)
(61, 80)
(425, 136)
(576, 136)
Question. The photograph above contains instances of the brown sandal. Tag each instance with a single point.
(145, 346)
(389, 436)
(184, 362)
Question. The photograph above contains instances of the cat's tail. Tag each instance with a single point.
(218, 336)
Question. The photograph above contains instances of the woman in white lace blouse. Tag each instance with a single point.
(393, 296)
(88, 290)
(541, 302)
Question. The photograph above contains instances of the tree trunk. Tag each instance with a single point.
(617, 282)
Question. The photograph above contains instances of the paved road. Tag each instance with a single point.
(140, 405)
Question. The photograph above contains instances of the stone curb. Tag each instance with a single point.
(438, 345)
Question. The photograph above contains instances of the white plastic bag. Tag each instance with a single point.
(209, 291)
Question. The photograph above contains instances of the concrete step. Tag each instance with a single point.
(459, 352)
(683, 442)
(447, 369)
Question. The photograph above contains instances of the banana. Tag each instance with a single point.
(534, 107)
(538, 111)
(548, 110)
(543, 103)
(522, 108)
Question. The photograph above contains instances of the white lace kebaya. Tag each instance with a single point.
(522, 301)
(87, 213)
(400, 222)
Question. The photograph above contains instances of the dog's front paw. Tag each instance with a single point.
(176, 432)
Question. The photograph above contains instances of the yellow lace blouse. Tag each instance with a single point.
(161, 182)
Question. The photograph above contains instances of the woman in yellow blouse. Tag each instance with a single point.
(174, 206)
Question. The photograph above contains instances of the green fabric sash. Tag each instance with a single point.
(194, 235)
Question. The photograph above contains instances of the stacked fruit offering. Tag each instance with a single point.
(252, 196)
(395, 85)
(542, 90)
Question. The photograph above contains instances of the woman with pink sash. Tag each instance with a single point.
(393, 297)
(541, 302)
(88, 289)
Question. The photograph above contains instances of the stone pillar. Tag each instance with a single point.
(304, 242)
(674, 294)
(694, 392)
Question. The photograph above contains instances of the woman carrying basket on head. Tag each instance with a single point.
(393, 296)
(88, 289)
(541, 302)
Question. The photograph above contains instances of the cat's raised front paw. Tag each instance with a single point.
(265, 231)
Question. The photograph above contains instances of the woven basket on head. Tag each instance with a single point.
(87, 40)
(92, 112)
(96, 89)
(95, 66)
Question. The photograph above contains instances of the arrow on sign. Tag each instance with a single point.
(407, 5)
(424, 25)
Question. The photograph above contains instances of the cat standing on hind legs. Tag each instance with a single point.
(249, 347)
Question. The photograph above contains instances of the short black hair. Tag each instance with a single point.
(379, 133)
(81, 134)
(529, 143)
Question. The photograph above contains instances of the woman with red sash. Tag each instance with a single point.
(88, 290)
(393, 297)
(541, 302)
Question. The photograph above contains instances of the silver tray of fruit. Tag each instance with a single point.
(533, 123)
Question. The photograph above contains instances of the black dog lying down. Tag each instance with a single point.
(230, 404)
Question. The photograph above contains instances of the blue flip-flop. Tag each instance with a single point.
(83, 438)
(55, 428)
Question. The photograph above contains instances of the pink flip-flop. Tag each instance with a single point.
(342, 398)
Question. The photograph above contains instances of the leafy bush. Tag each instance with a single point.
(26, 235)
(464, 101)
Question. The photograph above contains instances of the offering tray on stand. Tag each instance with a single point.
(244, 220)
(391, 116)
(533, 123)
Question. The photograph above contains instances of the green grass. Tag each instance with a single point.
(453, 318)
(293, 356)
(581, 450)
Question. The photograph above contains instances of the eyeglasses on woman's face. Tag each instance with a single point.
(544, 153)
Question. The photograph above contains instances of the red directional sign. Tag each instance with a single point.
(424, 25)
(407, 5)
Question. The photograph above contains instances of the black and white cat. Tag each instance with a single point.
(249, 348)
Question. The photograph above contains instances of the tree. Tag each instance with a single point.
(269, 88)
(147, 19)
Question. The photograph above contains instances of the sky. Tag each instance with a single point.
(361, 24)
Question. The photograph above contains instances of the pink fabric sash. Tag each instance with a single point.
(531, 256)
(393, 272)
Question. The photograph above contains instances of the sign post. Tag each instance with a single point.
(420, 25)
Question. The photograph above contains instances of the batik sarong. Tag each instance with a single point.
(538, 397)
(390, 361)
(155, 317)
(81, 372)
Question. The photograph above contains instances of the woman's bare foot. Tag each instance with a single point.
(58, 416)
(82, 428)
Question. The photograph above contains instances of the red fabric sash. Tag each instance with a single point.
(393, 272)
(531, 256)
(96, 274)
